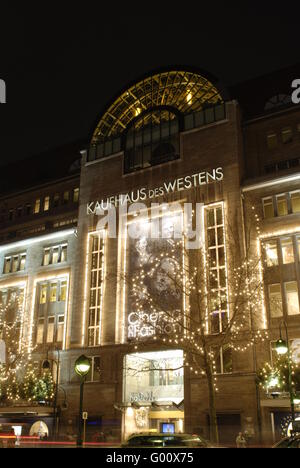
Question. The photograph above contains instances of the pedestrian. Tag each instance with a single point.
(241, 441)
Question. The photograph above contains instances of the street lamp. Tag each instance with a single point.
(47, 367)
(283, 348)
(82, 368)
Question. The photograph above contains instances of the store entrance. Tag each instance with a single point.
(154, 393)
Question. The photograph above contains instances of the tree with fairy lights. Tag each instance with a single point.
(203, 301)
(15, 355)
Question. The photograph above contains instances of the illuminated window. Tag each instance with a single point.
(64, 250)
(50, 329)
(40, 331)
(7, 265)
(46, 261)
(292, 298)
(217, 270)
(14, 264)
(295, 201)
(282, 206)
(43, 294)
(96, 289)
(63, 291)
(54, 255)
(272, 141)
(223, 360)
(287, 250)
(287, 135)
(94, 374)
(271, 253)
(47, 204)
(23, 262)
(76, 195)
(60, 328)
(53, 292)
(268, 208)
(275, 300)
(37, 206)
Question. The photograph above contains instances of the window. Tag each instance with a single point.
(14, 263)
(60, 328)
(11, 215)
(56, 200)
(40, 331)
(20, 211)
(46, 260)
(272, 141)
(94, 374)
(43, 294)
(287, 135)
(271, 253)
(223, 360)
(76, 195)
(50, 329)
(268, 208)
(217, 271)
(282, 206)
(295, 202)
(275, 300)
(152, 140)
(96, 289)
(7, 265)
(28, 210)
(37, 206)
(53, 292)
(46, 203)
(287, 250)
(55, 254)
(292, 299)
(63, 291)
(50, 312)
(66, 197)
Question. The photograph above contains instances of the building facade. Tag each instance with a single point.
(176, 137)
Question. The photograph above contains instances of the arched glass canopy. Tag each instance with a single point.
(183, 91)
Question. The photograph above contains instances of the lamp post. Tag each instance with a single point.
(283, 348)
(47, 366)
(82, 368)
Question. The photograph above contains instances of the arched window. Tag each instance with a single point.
(152, 139)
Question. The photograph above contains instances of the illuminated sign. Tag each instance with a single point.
(178, 185)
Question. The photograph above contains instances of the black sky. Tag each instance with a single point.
(62, 66)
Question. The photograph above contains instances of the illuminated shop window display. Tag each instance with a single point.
(154, 391)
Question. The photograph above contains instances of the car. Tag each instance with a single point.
(159, 440)
(289, 442)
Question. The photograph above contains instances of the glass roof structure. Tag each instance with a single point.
(178, 90)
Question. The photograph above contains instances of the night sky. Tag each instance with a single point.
(62, 67)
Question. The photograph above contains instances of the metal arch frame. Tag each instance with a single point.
(167, 88)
